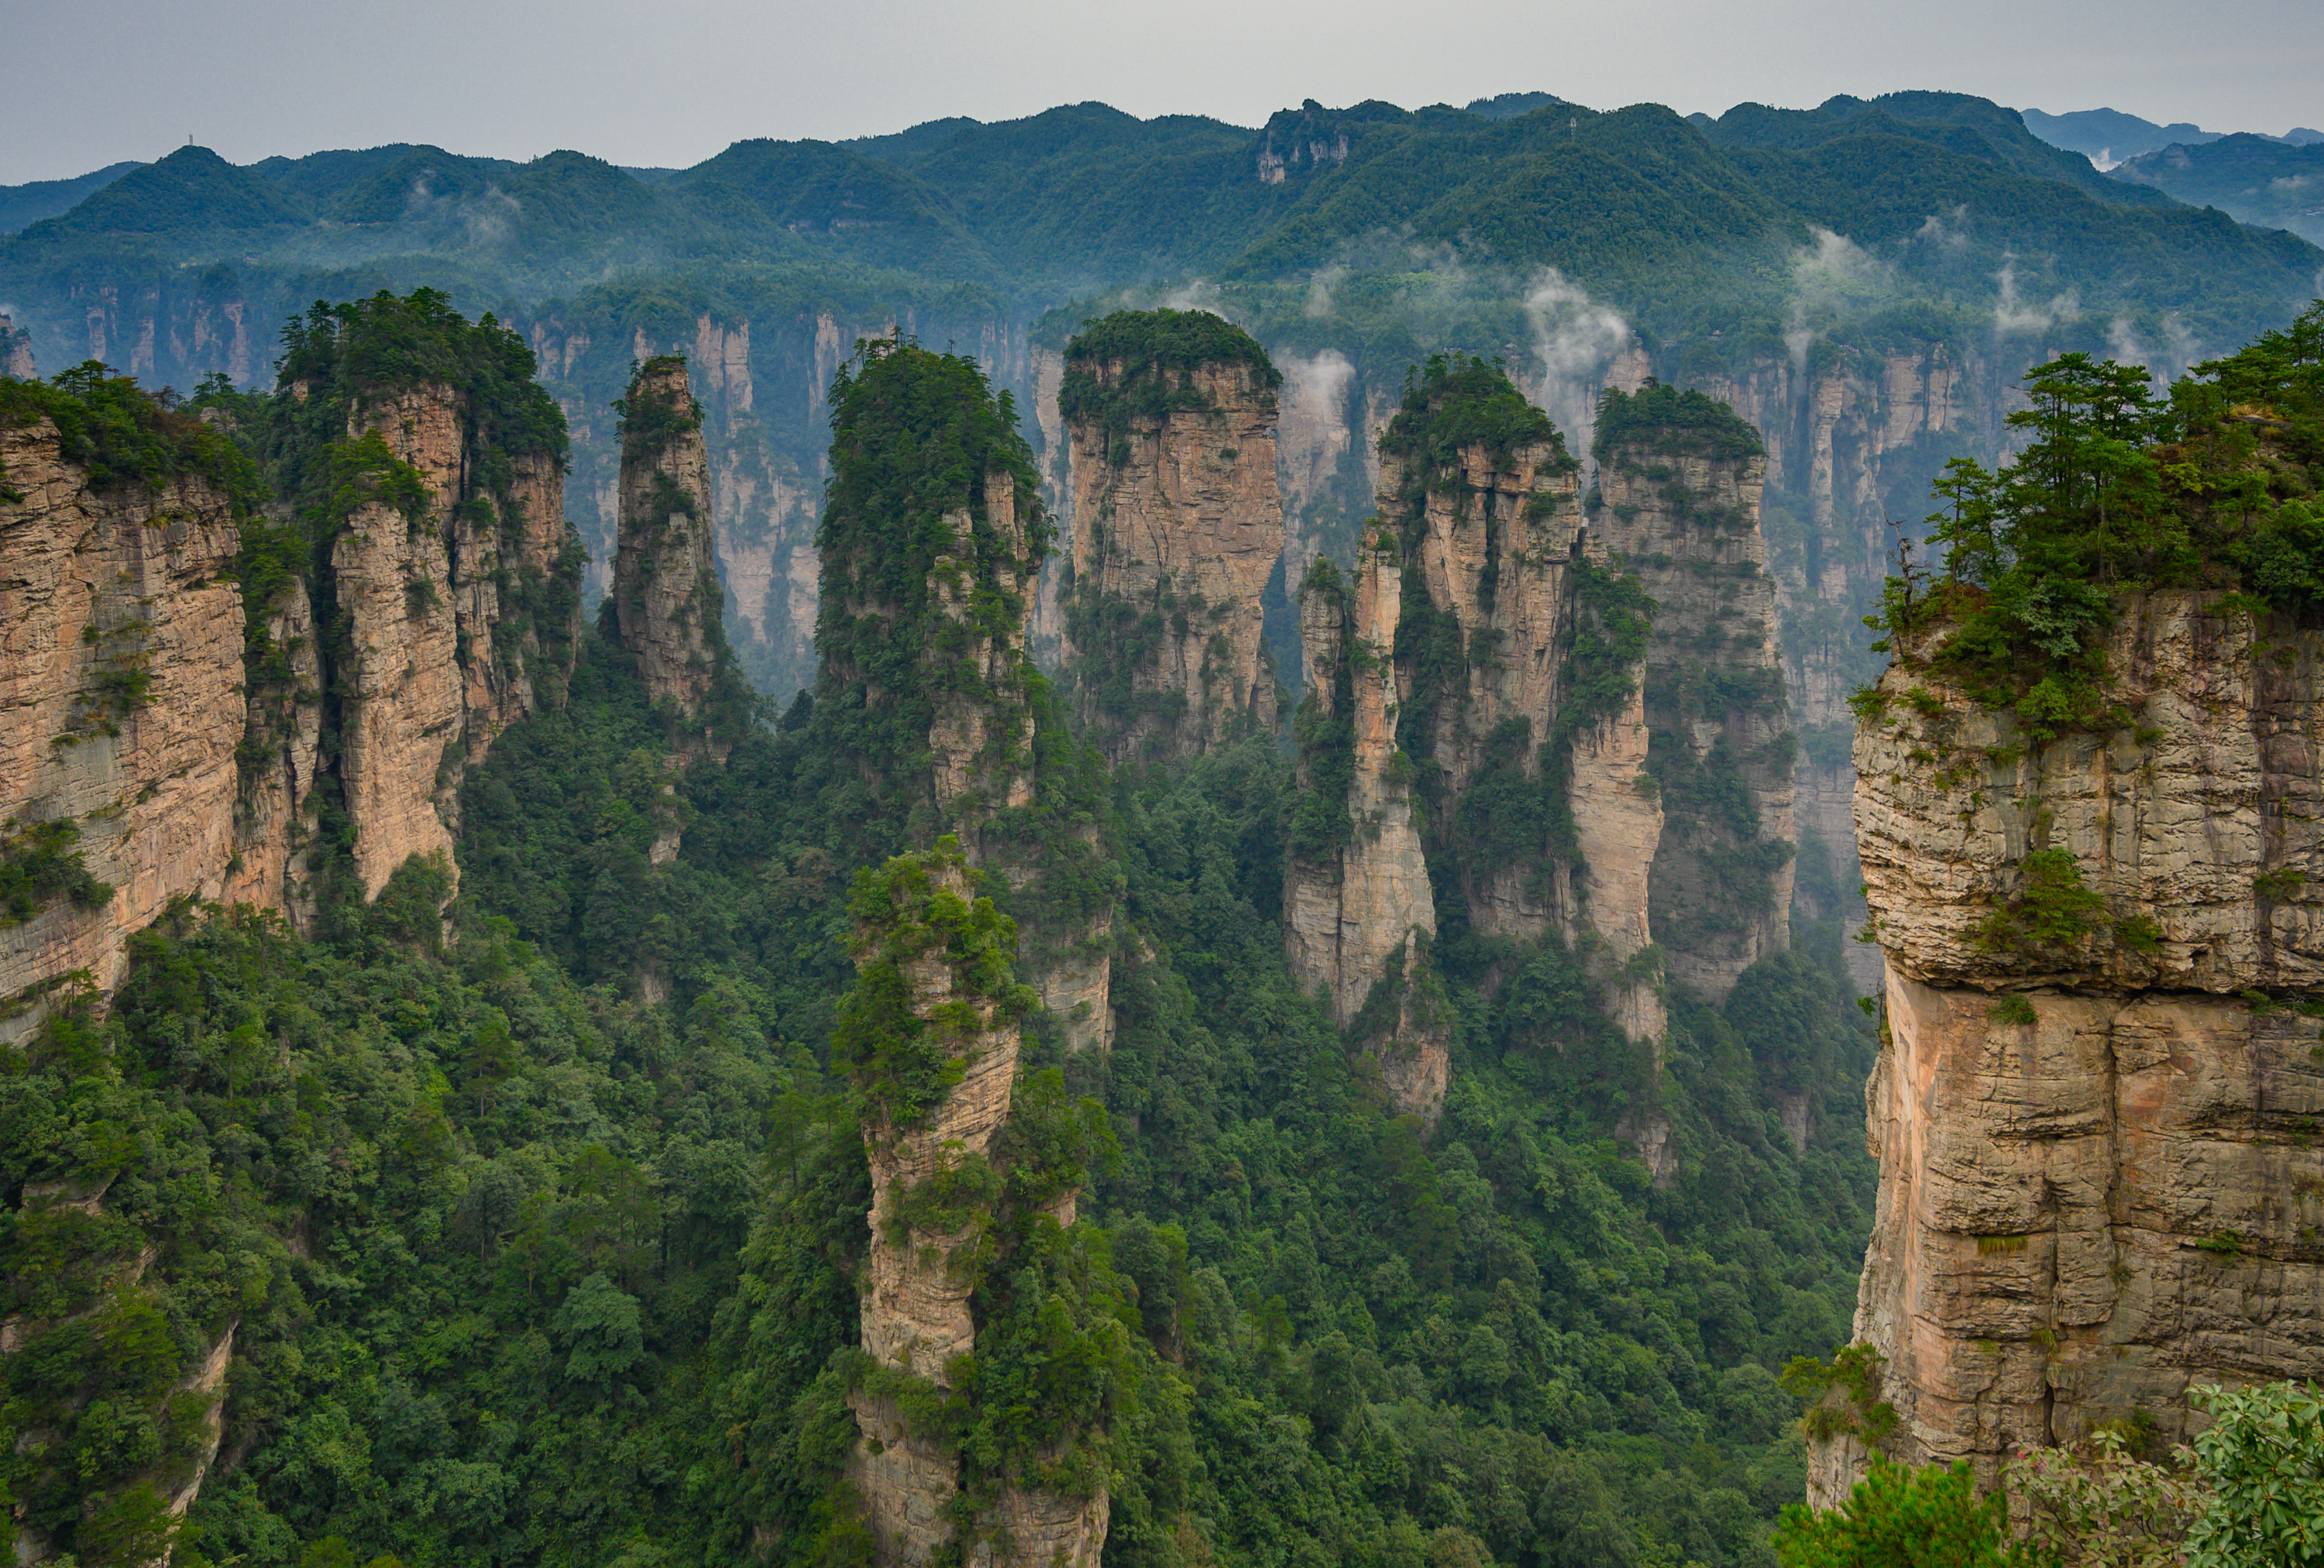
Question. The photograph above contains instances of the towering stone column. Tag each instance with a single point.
(1178, 526)
(2094, 1110)
(1680, 479)
(666, 595)
(121, 687)
(935, 936)
(1357, 888)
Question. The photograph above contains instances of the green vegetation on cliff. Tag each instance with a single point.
(1664, 419)
(1141, 365)
(2118, 492)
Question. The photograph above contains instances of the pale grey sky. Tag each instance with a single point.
(672, 81)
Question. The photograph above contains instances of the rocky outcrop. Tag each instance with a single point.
(1617, 826)
(1178, 525)
(392, 581)
(915, 1312)
(1680, 485)
(121, 706)
(2099, 1183)
(1356, 885)
(666, 594)
(930, 1215)
(456, 612)
(166, 738)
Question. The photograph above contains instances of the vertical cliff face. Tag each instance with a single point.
(1680, 485)
(411, 593)
(121, 699)
(1178, 525)
(391, 582)
(666, 592)
(2094, 1105)
(916, 1315)
(16, 351)
(1356, 886)
(1488, 530)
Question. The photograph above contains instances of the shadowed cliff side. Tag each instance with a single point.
(1178, 526)
(1680, 478)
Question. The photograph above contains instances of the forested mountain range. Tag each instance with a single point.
(766, 862)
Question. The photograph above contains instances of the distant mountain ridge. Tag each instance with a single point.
(2108, 137)
(21, 205)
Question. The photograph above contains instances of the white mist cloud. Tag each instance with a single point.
(1935, 230)
(1577, 338)
(1319, 290)
(1830, 277)
(2013, 317)
(1200, 295)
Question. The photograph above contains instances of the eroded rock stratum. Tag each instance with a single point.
(2100, 1178)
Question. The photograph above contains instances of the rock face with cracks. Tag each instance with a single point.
(1354, 905)
(2099, 1183)
(120, 703)
(916, 1315)
(1177, 527)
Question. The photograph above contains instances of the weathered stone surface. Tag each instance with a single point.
(403, 688)
(1618, 823)
(99, 591)
(916, 1309)
(1494, 547)
(665, 593)
(1687, 524)
(2176, 816)
(282, 731)
(16, 351)
(1345, 914)
(2086, 1214)
(1185, 530)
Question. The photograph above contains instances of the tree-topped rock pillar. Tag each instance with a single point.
(1680, 479)
(1177, 527)
(666, 594)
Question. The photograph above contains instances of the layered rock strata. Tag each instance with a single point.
(1681, 481)
(120, 704)
(666, 594)
(2099, 1181)
(177, 733)
(1178, 525)
(1489, 541)
(1353, 901)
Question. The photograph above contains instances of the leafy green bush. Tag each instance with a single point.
(2052, 913)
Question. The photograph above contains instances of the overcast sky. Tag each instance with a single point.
(670, 82)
